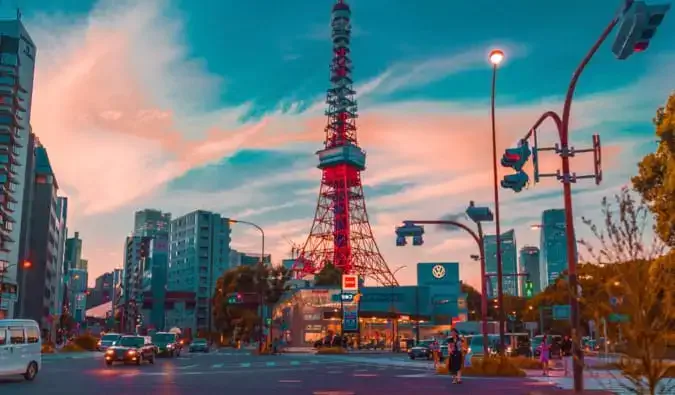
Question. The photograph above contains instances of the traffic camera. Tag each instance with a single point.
(411, 230)
(638, 25)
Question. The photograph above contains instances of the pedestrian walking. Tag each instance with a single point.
(544, 355)
(566, 353)
(456, 357)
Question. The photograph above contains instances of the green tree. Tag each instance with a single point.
(634, 274)
(473, 301)
(656, 178)
(329, 276)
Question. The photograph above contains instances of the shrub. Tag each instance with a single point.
(526, 363)
(86, 342)
(495, 367)
(331, 351)
(72, 347)
(48, 348)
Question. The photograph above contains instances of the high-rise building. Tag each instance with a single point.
(62, 218)
(529, 265)
(553, 246)
(509, 263)
(44, 237)
(17, 63)
(73, 253)
(83, 264)
(149, 222)
(76, 294)
(27, 206)
(247, 259)
(136, 249)
(200, 252)
(102, 292)
(154, 283)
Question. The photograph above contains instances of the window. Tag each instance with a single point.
(32, 335)
(16, 335)
(3, 337)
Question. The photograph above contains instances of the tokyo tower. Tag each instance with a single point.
(341, 233)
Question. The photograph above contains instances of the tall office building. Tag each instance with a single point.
(529, 264)
(17, 64)
(136, 249)
(553, 246)
(73, 253)
(154, 283)
(149, 222)
(76, 294)
(62, 218)
(247, 259)
(42, 277)
(200, 253)
(84, 264)
(102, 292)
(509, 263)
(27, 206)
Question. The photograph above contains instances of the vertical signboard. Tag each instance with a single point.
(350, 283)
(350, 318)
(350, 305)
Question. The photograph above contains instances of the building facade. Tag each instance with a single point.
(529, 265)
(42, 276)
(62, 216)
(200, 252)
(154, 283)
(73, 253)
(136, 249)
(553, 246)
(102, 292)
(76, 294)
(149, 222)
(509, 263)
(247, 259)
(17, 63)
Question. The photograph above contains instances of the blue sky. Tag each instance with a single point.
(180, 105)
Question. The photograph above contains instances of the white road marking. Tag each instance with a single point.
(270, 364)
(218, 366)
(290, 381)
(245, 364)
(364, 375)
(295, 363)
(186, 367)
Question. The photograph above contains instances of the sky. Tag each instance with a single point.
(217, 105)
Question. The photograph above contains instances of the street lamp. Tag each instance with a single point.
(414, 230)
(3, 271)
(394, 318)
(496, 57)
(262, 263)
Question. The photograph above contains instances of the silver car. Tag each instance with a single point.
(108, 340)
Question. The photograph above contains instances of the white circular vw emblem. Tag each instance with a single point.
(438, 271)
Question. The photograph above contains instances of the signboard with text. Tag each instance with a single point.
(350, 319)
(350, 282)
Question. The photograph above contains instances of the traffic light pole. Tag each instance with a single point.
(567, 178)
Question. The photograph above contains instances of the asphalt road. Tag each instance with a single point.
(241, 373)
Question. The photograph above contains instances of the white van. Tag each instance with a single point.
(20, 348)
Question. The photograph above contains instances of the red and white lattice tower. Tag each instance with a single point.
(341, 233)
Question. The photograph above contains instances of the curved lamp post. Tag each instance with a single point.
(261, 296)
(412, 229)
(394, 320)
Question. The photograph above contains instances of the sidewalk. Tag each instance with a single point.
(70, 355)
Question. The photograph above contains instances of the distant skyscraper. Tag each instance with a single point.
(247, 259)
(76, 289)
(154, 283)
(136, 249)
(509, 262)
(149, 222)
(73, 253)
(84, 264)
(553, 246)
(62, 218)
(200, 253)
(529, 264)
(17, 64)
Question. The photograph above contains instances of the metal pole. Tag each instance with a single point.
(417, 315)
(498, 236)
(2, 290)
(484, 298)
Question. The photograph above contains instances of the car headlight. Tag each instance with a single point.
(170, 346)
(132, 352)
(99, 342)
(468, 350)
(110, 352)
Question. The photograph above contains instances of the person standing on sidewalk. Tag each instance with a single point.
(456, 357)
(566, 353)
(545, 355)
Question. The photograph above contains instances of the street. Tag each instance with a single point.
(239, 372)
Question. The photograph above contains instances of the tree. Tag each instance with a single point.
(633, 279)
(655, 180)
(328, 276)
(473, 301)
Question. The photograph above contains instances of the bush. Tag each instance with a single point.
(72, 347)
(331, 351)
(86, 342)
(48, 348)
(494, 367)
(525, 363)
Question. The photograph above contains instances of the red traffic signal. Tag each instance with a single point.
(637, 27)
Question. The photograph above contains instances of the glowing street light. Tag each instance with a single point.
(496, 57)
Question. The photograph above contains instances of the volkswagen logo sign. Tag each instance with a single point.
(438, 271)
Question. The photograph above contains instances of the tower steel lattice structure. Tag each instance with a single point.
(341, 233)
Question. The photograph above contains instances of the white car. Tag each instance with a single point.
(20, 348)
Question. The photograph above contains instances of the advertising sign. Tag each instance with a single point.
(350, 282)
(350, 319)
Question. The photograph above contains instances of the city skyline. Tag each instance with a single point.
(193, 126)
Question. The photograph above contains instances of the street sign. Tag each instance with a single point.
(344, 297)
(618, 318)
(350, 319)
(350, 282)
(531, 326)
(561, 312)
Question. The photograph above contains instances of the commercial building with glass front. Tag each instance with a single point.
(308, 314)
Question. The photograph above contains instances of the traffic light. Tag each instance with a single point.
(235, 298)
(516, 158)
(638, 25)
(516, 182)
(411, 230)
(529, 289)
